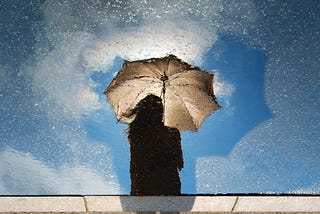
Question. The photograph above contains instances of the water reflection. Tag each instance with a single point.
(44, 61)
(244, 68)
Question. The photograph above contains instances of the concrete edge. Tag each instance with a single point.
(184, 204)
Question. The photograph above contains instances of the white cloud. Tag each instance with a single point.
(273, 157)
(187, 40)
(223, 91)
(222, 88)
(59, 77)
(22, 174)
(313, 189)
(83, 180)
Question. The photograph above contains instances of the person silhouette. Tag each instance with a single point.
(156, 154)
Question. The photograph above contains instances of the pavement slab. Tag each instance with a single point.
(160, 204)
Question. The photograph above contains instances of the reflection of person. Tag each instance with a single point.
(156, 154)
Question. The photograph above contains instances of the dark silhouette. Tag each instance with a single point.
(156, 155)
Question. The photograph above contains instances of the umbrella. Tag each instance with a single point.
(186, 91)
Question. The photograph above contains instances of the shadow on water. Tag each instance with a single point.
(149, 204)
(243, 67)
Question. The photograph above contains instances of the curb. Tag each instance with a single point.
(184, 204)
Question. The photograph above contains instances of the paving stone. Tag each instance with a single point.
(216, 203)
(278, 204)
(42, 204)
(103, 203)
(182, 204)
(163, 204)
(166, 204)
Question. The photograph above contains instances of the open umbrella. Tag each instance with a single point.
(186, 91)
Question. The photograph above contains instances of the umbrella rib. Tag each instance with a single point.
(153, 70)
(141, 91)
(168, 66)
(138, 93)
(128, 115)
(192, 86)
(177, 75)
(183, 103)
(141, 77)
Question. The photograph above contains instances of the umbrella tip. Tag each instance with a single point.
(172, 56)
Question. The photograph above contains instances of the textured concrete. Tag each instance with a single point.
(183, 204)
(165, 204)
(278, 204)
(42, 204)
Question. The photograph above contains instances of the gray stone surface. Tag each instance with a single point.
(278, 204)
(41, 204)
(216, 203)
(103, 203)
(165, 204)
(183, 204)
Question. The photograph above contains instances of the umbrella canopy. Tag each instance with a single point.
(186, 91)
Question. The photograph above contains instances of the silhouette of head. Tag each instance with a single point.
(149, 109)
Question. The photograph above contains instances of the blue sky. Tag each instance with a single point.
(58, 134)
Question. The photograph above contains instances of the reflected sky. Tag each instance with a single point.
(58, 133)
